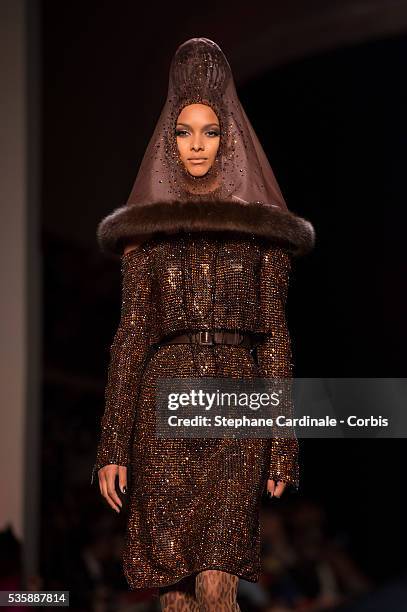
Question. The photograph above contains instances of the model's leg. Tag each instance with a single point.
(216, 590)
(179, 597)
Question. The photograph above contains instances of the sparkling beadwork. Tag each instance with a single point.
(194, 503)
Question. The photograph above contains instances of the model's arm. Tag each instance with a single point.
(274, 357)
(127, 353)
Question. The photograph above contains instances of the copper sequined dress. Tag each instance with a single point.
(194, 504)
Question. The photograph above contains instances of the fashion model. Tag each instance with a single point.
(206, 245)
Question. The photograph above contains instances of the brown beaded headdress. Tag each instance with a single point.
(238, 193)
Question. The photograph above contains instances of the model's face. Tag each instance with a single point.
(198, 136)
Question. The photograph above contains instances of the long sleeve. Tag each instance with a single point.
(127, 354)
(275, 357)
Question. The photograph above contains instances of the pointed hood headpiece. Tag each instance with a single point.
(239, 193)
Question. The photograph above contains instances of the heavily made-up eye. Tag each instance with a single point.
(213, 133)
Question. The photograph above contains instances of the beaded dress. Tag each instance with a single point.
(214, 253)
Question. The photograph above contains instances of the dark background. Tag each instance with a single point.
(331, 117)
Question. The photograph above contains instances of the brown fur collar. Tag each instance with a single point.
(135, 223)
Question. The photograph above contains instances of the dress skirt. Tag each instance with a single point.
(194, 503)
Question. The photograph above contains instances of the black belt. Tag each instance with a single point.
(210, 337)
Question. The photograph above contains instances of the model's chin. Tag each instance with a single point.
(197, 172)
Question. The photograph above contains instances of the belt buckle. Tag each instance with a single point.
(206, 336)
(239, 338)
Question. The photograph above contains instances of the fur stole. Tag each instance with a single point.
(137, 223)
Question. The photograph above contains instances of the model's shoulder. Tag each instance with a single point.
(135, 256)
(131, 248)
(142, 246)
